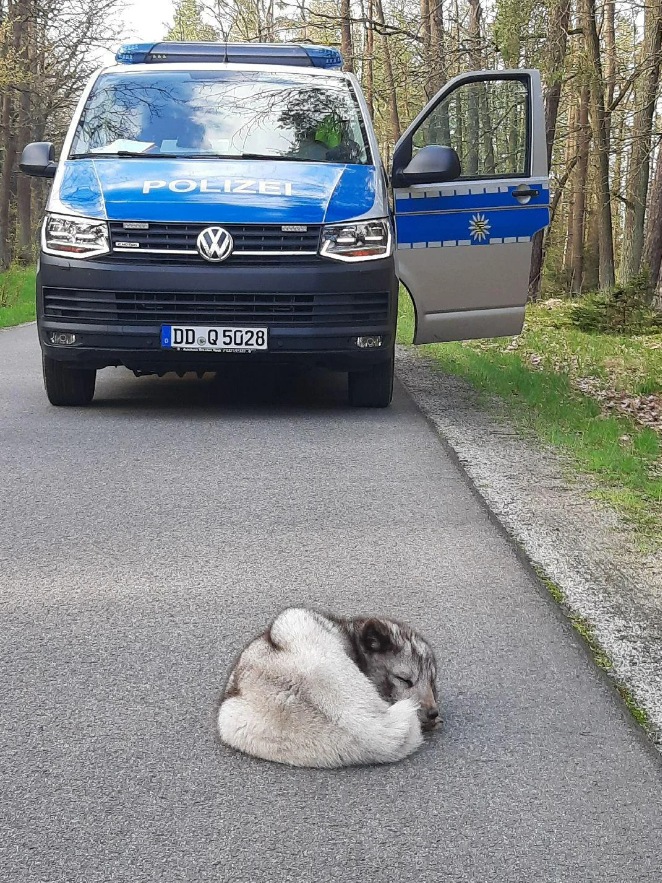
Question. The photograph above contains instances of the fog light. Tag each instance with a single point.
(62, 338)
(368, 343)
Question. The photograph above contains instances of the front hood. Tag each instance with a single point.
(216, 191)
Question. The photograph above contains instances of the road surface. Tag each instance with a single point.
(146, 539)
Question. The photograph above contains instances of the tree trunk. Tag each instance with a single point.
(571, 143)
(591, 263)
(438, 65)
(426, 52)
(601, 141)
(8, 155)
(394, 116)
(639, 171)
(581, 186)
(471, 158)
(369, 60)
(557, 46)
(619, 133)
(7, 185)
(609, 28)
(475, 40)
(24, 183)
(346, 35)
(653, 247)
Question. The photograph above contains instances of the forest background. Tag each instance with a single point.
(601, 69)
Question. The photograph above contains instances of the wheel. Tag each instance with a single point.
(66, 384)
(372, 387)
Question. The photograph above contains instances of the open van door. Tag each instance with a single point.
(470, 191)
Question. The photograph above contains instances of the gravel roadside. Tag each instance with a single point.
(584, 548)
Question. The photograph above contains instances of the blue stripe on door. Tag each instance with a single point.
(470, 228)
(468, 201)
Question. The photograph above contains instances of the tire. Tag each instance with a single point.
(67, 385)
(373, 387)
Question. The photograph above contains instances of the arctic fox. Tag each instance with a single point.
(319, 691)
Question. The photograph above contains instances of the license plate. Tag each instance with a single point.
(216, 339)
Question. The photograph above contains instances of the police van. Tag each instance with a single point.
(218, 202)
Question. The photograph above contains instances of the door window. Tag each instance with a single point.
(486, 123)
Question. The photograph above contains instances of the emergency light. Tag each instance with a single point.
(295, 54)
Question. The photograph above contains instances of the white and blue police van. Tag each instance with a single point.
(218, 202)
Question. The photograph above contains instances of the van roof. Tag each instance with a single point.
(217, 66)
(290, 54)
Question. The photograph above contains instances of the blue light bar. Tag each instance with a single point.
(133, 53)
(293, 54)
(324, 56)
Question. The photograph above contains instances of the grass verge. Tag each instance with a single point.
(600, 657)
(538, 374)
(17, 296)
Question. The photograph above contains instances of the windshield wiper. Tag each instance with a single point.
(124, 154)
(277, 156)
(223, 156)
(129, 154)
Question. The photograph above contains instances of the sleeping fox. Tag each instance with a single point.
(319, 691)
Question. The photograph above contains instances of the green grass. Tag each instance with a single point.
(17, 296)
(601, 658)
(535, 376)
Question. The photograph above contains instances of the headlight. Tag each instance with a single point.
(75, 237)
(360, 241)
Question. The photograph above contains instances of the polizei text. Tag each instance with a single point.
(221, 185)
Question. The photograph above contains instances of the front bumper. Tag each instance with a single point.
(314, 312)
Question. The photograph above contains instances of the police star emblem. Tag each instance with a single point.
(479, 228)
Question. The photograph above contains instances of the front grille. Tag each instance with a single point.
(117, 307)
(177, 243)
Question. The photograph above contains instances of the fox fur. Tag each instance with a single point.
(318, 691)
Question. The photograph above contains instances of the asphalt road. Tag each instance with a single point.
(144, 540)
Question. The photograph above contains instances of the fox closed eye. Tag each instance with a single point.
(405, 681)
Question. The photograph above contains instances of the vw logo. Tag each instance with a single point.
(215, 244)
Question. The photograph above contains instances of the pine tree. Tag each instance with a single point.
(188, 24)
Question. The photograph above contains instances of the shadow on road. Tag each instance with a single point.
(237, 388)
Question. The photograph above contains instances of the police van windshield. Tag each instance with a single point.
(222, 113)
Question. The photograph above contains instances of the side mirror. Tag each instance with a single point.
(38, 160)
(433, 164)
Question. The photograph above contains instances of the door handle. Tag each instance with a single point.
(525, 193)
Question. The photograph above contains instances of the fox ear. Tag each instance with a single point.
(376, 637)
